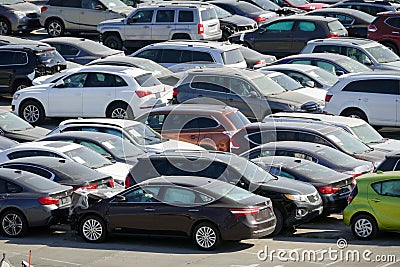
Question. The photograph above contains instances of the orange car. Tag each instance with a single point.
(206, 125)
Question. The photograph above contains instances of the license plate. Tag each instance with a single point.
(65, 200)
(212, 29)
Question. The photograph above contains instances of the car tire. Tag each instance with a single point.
(279, 222)
(55, 28)
(93, 229)
(113, 41)
(206, 236)
(364, 227)
(355, 113)
(21, 84)
(120, 111)
(5, 27)
(13, 224)
(32, 111)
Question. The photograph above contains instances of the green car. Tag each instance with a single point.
(374, 205)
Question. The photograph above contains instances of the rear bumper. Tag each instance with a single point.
(244, 230)
(334, 203)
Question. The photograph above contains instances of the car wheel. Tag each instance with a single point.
(206, 236)
(18, 85)
(5, 27)
(32, 111)
(120, 111)
(13, 224)
(364, 227)
(55, 28)
(279, 222)
(93, 229)
(355, 113)
(113, 41)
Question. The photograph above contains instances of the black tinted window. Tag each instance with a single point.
(327, 49)
(211, 83)
(66, 50)
(185, 16)
(165, 16)
(388, 188)
(31, 153)
(380, 86)
(144, 16)
(152, 54)
(13, 58)
(7, 187)
(170, 56)
(394, 22)
(193, 56)
(63, 3)
(99, 80)
(207, 123)
(36, 170)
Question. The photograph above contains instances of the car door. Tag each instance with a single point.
(136, 213)
(70, 11)
(98, 91)
(164, 25)
(11, 63)
(183, 127)
(65, 97)
(139, 26)
(384, 199)
(274, 38)
(303, 31)
(68, 52)
(208, 86)
(92, 13)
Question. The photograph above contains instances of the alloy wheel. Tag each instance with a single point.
(3, 28)
(12, 224)
(54, 29)
(363, 228)
(206, 237)
(119, 113)
(31, 113)
(92, 229)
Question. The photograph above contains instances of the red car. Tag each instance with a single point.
(385, 29)
(301, 4)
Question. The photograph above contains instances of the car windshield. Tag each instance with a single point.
(147, 80)
(112, 3)
(229, 191)
(367, 134)
(250, 171)
(39, 183)
(88, 157)
(382, 54)
(267, 86)
(323, 76)
(352, 65)
(50, 57)
(143, 134)
(221, 13)
(11, 122)
(298, 2)
(232, 56)
(122, 148)
(314, 171)
(285, 81)
(10, 2)
(334, 155)
(347, 142)
(266, 4)
(154, 68)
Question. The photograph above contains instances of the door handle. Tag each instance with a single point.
(149, 209)
(169, 27)
(395, 32)
(200, 95)
(376, 200)
(193, 210)
(230, 99)
(146, 27)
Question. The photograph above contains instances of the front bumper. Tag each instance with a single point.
(26, 24)
(303, 214)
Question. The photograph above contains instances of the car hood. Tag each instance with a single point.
(238, 20)
(395, 65)
(317, 94)
(285, 186)
(374, 156)
(390, 145)
(172, 145)
(292, 97)
(123, 11)
(117, 171)
(114, 22)
(34, 89)
(24, 7)
(29, 134)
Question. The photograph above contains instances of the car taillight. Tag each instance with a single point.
(327, 190)
(333, 35)
(111, 183)
(352, 194)
(239, 212)
(128, 182)
(200, 28)
(141, 94)
(328, 97)
(234, 143)
(259, 19)
(175, 93)
(372, 28)
(48, 200)
(43, 9)
(87, 187)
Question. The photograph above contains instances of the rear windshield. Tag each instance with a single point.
(50, 57)
(229, 191)
(238, 119)
(147, 80)
(248, 8)
(336, 156)
(314, 171)
(208, 14)
(335, 26)
(39, 183)
(232, 57)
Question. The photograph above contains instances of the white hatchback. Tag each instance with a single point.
(95, 91)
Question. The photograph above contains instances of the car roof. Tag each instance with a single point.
(196, 108)
(123, 59)
(329, 56)
(289, 162)
(307, 18)
(227, 71)
(299, 67)
(97, 136)
(304, 146)
(186, 181)
(370, 75)
(15, 40)
(304, 126)
(121, 123)
(35, 47)
(352, 122)
(196, 44)
(389, 14)
(47, 145)
(380, 175)
(348, 11)
(68, 40)
(344, 40)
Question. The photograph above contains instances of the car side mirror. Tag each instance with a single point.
(367, 62)
(310, 84)
(120, 198)
(262, 30)
(339, 73)
(253, 94)
(98, 7)
(59, 84)
(131, 20)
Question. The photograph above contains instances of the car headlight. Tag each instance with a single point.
(16, 96)
(294, 107)
(19, 14)
(301, 198)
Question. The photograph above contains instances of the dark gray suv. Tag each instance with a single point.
(253, 93)
(18, 16)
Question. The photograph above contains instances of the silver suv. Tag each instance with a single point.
(161, 22)
(60, 16)
(18, 16)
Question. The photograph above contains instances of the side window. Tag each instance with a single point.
(280, 26)
(165, 16)
(397, 166)
(180, 121)
(36, 170)
(308, 137)
(240, 87)
(394, 22)
(266, 153)
(31, 153)
(380, 86)
(180, 196)
(211, 83)
(307, 26)
(75, 81)
(195, 56)
(204, 123)
(287, 136)
(120, 82)
(327, 66)
(388, 188)
(152, 54)
(345, 20)
(355, 54)
(7, 187)
(302, 62)
(99, 80)
(144, 16)
(95, 147)
(185, 16)
(143, 195)
(263, 137)
(170, 56)
(327, 49)
(156, 121)
(66, 50)
(18, 58)
(301, 78)
(287, 175)
(92, 4)
(303, 156)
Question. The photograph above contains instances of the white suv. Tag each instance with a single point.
(183, 55)
(95, 91)
(373, 97)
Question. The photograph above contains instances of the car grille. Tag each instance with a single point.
(32, 15)
(310, 107)
(313, 198)
(245, 28)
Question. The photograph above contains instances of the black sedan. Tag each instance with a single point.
(62, 171)
(271, 6)
(333, 187)
(320, 154)
(80, 50)
(355, 21)
(109, 146)
(29, 200)
(207, 211)
(15, 128)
